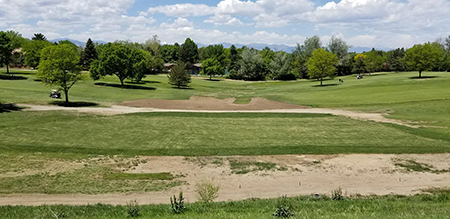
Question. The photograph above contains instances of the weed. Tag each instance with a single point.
(284, 208)
(207, 191)
(177, 206)
(337, 194)
(133, 209)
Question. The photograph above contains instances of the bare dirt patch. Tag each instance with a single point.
(305, 174)
(210, 103)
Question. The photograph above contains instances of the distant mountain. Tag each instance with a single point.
(259, 46)
(366, 49)
(76, 42)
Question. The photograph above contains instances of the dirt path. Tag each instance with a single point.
(213, 105)
(294, 175)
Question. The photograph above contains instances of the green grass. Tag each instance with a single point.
(140, 176)
(244, 167)
(204, 134)
(88, 180)
(414, 166)
(418, 206)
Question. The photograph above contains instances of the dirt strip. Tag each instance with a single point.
(294, 175)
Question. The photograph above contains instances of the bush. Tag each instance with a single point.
(207, 191)
(177, 205)
(284, 208)
(337, 194)
(133, 209)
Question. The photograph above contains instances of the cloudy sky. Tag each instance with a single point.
(365, 23)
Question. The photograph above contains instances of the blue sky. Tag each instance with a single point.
(362, 23)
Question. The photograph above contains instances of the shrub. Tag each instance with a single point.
(284, 208)
(177, 205)
(133, 209)
(207, 191)
(337, 194)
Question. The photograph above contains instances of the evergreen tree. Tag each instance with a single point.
(39, 36)
(178, 76)
(88, 55)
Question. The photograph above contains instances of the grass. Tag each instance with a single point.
(414, 166)
(244, 167)
(140, 176)
(88, 180)
(433, 205)
(203, 134)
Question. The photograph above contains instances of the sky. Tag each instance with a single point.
(361, 23)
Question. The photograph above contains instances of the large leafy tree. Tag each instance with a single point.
(374, 61)
(169, 53)
(121, 61)
(281, 67)
(216, 52)
(340, 48)
(321, 64)
(396, 59)
(32, 52)
(88, 55)
(188, 52)
(360, 63)
(212, 67)
(422, 57)
(178, 76)
(252, 66)
(59, 67)
(5, 50)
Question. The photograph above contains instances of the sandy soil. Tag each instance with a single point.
(210, 103)
(213, 105)
(303, 175)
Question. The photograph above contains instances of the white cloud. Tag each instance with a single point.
(178, 23)
(227, 20)
(183, 10)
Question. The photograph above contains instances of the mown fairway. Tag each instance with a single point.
(198, 134)
(420, 206)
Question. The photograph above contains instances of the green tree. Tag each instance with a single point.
(169, 53)
(321, 64)
(88, 55)
(178, 76)
(188, 52)
(374, 61)
(281, 67)
(234, 59)
(121, 61)
(32, 52)
(39, 36)
(212, 67)
(17, 41)
(152, 45)
(216, 52)
(340, 48)
(5, 50)
(252, 66)
(422, 57)
(59, 67)
(360, 63)
(396, 59)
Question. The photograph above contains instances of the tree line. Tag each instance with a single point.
(132, 61)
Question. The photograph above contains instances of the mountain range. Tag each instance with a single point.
(259, 46)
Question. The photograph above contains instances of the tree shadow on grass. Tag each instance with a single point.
(424, 77)
(183, 88)
(12, 77)
(144, 82)
(212, 79)
(8, 107)
(125, 86)
(73, 104)
(326, 85)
